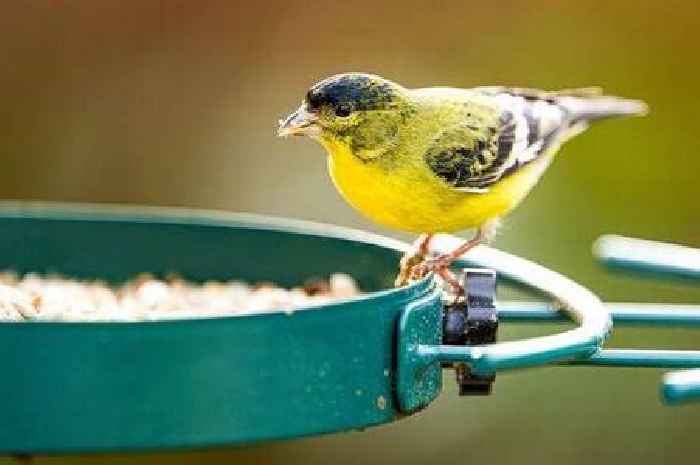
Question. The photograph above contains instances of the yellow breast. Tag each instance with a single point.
(407, 196)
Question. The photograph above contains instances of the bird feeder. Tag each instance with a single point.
(73, 387)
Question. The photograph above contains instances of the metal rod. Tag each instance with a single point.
(580, 304)
(641, 358)
(486, 360)
(581, 346)
(645, 358)
(648, 256)
(623, 313)
(681, 386)
(666, 260)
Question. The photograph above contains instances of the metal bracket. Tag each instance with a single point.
(473, 321)
(468, 329)
(418, 382)
(421, 351)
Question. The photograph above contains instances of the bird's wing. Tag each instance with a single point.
(477, 152)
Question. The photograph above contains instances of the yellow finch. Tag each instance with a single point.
(441, 159)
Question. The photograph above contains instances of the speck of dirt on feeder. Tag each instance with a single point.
(56, 298)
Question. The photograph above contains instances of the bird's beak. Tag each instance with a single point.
(300, 123)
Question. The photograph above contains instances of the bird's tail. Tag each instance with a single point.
(585, 105)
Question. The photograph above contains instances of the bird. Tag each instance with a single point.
(440, 159)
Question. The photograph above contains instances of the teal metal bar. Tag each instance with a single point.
(580, 346)
(491, 358)
(645, 358)
(681, 386)
(662, 259)
(648, 256)
(622, 313)
(642, 358)
(593, 319)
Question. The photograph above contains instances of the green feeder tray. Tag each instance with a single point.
(117, 386)
(73, 387)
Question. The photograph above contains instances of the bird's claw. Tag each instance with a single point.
(416, 265)
(435, 265)
(408, 263)
(439, 265)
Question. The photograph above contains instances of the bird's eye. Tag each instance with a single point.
(342, 111)
(313, 101)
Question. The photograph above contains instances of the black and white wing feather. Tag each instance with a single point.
(476, 154)
(481, 151)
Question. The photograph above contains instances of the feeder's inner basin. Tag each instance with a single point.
(33, 297)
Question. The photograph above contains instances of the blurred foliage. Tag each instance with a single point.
(176, 103)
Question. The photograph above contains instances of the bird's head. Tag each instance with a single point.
(360, 111)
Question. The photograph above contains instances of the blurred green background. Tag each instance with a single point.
(176, 103)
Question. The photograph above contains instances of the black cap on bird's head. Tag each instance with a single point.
(333, 101)
(345, 93)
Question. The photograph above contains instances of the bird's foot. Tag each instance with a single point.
(418, 254)
(408, 263)
(439, 265)
(433, 265)
(416, 265)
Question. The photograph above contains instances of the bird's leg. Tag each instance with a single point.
(450, 278)
(414, 257)
(441, 263)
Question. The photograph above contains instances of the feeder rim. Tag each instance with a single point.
(110, 212)
(185, 215)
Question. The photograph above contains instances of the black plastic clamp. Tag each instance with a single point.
(473, 321)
